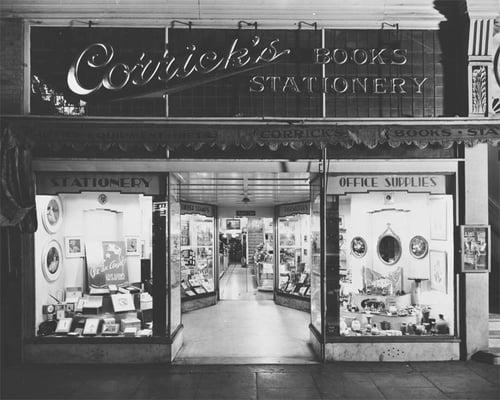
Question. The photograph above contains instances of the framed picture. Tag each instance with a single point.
(475, 246)
(438, 270)
(438, 219)
(91, 326)
(358, 247)
(52, 260)
(233, 224)
(73, 246)
(52, 214)
(419, 247)
(132, 246)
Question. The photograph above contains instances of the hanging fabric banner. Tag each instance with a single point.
(55, 135)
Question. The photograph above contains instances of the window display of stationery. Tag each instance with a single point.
(395, 273)
(101, 278)
(294, 250)
(197, 255)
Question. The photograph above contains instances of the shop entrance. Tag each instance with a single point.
(234, 267)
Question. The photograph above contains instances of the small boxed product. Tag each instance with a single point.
(146, 301)
(130, 332)
(92, 304)
(130, 323)
(122, 302)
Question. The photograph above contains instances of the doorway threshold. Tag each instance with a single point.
(243, 360)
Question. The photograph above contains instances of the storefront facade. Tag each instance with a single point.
(396, 179)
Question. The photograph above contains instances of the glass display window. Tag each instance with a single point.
(197, 255)
(294, 243)
(261, 238)
(396, 264)
(93, 254)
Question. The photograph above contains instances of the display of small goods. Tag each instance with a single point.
(52, 260)
(358, 247)
(197, 256)
(383, 308)
(419, 247)
(105, 314)
(52, 214)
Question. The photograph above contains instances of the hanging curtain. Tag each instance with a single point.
(17, 183)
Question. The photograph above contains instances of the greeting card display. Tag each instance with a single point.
(106, 263)
(91, 326)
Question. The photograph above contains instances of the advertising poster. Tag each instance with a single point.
(106, 263)
(475, 248)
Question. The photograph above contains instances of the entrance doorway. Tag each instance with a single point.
(244, 324)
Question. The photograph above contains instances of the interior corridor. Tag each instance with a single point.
(246, 326)
(238, 283)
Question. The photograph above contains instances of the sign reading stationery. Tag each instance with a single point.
(197, 208)
(55, 182)
(343, 184)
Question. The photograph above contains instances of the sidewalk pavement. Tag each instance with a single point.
(405, 381)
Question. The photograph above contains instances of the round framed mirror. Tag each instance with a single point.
(389, 249)
(358, 246)
(418, 247)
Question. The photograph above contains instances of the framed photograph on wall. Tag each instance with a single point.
(132, 245)
(438, 270)
(52, 260)
(52, 214)
(438, 219)
(475, 246)
(73, 246)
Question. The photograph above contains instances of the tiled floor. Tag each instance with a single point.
(249, 328)
(406, 381)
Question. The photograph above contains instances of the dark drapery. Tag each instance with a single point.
(17, 183)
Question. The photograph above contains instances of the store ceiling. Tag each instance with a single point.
(229, 188)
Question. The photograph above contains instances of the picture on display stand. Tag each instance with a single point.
(232, 224)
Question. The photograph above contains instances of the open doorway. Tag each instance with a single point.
(243, 323)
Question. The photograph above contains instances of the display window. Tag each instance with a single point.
(396, 264)
(261, 237)
(93, 255)
(197, 255)
(295, 255)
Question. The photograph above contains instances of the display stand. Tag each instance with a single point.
(293, 278)
(197, 256)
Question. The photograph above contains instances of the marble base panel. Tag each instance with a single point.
(398, 352)
(98, 353)
(191, 304)
(298, 303)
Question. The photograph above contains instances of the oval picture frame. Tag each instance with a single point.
(419, 247)
(52, 260)
(358, 247)
(52, 214)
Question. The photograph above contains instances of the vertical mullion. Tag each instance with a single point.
(166, 95)
(323, 74)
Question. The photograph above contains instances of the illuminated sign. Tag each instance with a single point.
(104, 71)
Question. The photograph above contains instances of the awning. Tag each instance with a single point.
(58, 133)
